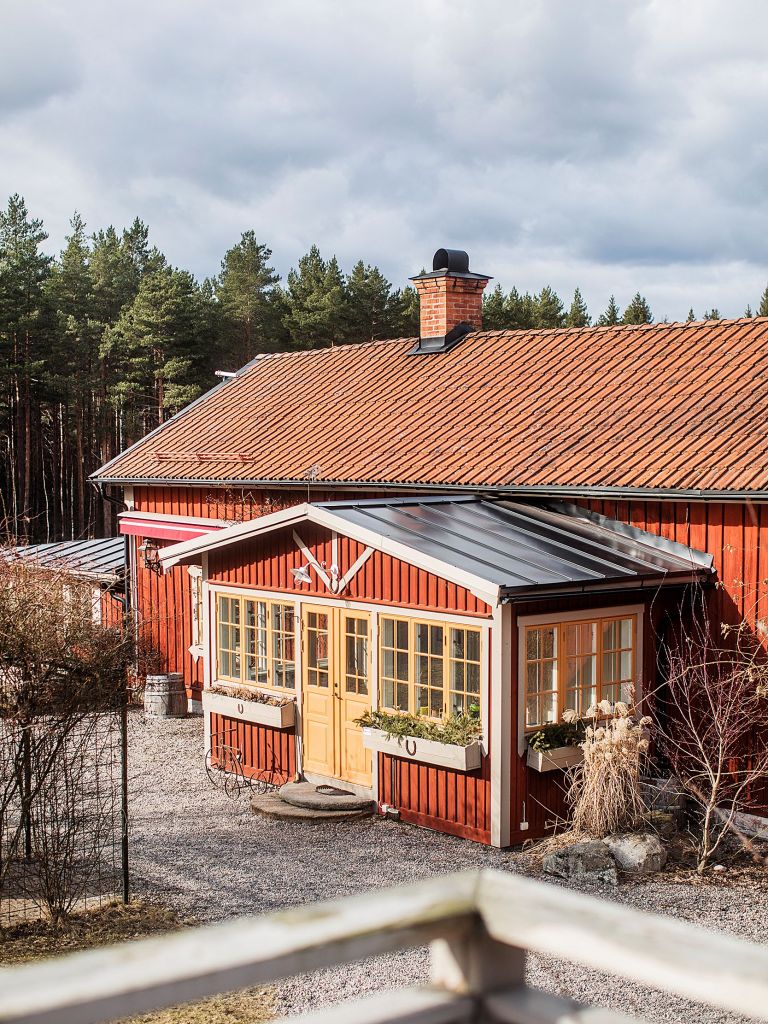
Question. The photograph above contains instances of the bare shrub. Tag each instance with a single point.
(605, 793)
(62, 676)
(710, 719)
(71, 820)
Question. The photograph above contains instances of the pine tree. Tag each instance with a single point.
(748, 312)
(762, 309)
(243, 290)
(549, 309)
(158, 350)
(494, 310)
(73, 377)
(521, 311)
(712, 314)
(578, 315)
(373, 310)
(408, 314)
(611, 317)
(638, 311)
(691, 316)
(317, 312)
(24, 270)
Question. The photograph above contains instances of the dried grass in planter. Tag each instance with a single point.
(605, 794)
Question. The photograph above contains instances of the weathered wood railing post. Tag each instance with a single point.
(472, 963)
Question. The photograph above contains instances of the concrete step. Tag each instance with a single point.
(324, 798)
(271, 805)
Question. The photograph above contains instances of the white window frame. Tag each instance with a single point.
(198, 603)
(445, 657)
(250, 595)
(557, 619)
(484, 622)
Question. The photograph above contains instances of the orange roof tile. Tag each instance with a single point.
(662, 407)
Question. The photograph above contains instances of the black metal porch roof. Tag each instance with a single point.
(521, 547)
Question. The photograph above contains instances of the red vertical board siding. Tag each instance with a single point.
(233, 504)
(269, 754)
(112, 611)
(165, 622)
(264, 563)
(734, 533)
(457, 803)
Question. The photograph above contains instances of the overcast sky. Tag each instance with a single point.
(614, 145)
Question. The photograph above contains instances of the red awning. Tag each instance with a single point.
(175, 528)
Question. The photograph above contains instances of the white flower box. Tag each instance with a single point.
(411, 748)
(558, 757)
(279, 716)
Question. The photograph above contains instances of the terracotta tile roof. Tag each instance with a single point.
(667, 406)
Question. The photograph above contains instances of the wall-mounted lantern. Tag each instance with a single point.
(150, 554)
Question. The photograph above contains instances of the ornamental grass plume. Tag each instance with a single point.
(605, 794)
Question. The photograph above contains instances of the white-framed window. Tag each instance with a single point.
(255, 641)
(429, 668)
(577, 660)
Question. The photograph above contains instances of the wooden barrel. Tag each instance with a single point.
(165, 696)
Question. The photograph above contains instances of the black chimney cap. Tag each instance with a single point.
(455, 261)
(451, 263)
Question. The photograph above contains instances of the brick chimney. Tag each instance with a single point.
(450, 301)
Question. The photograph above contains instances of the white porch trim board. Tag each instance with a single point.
(501, 725)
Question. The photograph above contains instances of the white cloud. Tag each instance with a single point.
(616, 146)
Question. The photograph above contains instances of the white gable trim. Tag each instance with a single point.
(191, 550)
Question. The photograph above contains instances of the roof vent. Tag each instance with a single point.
(450, 302)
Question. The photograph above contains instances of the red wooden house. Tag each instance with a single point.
(488, 522)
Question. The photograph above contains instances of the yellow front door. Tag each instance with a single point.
(319, 717)
(337, 680)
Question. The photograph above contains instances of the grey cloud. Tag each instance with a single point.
(617, 146)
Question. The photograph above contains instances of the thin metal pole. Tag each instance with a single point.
(124, 797)
(127, 607)
(27, 795)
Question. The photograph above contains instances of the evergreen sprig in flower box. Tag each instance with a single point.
(454, 743)
(556, 746)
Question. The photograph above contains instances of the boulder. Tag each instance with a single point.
(637, 853)
(589, 861)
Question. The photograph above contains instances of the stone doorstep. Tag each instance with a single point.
(306, 796)
(271, 805)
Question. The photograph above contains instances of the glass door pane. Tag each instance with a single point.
(356, 654)
(317, 649)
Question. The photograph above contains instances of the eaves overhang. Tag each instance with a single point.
(593, 491)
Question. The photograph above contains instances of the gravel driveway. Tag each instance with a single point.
(201, 853)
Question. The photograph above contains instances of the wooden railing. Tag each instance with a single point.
(480, 926)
